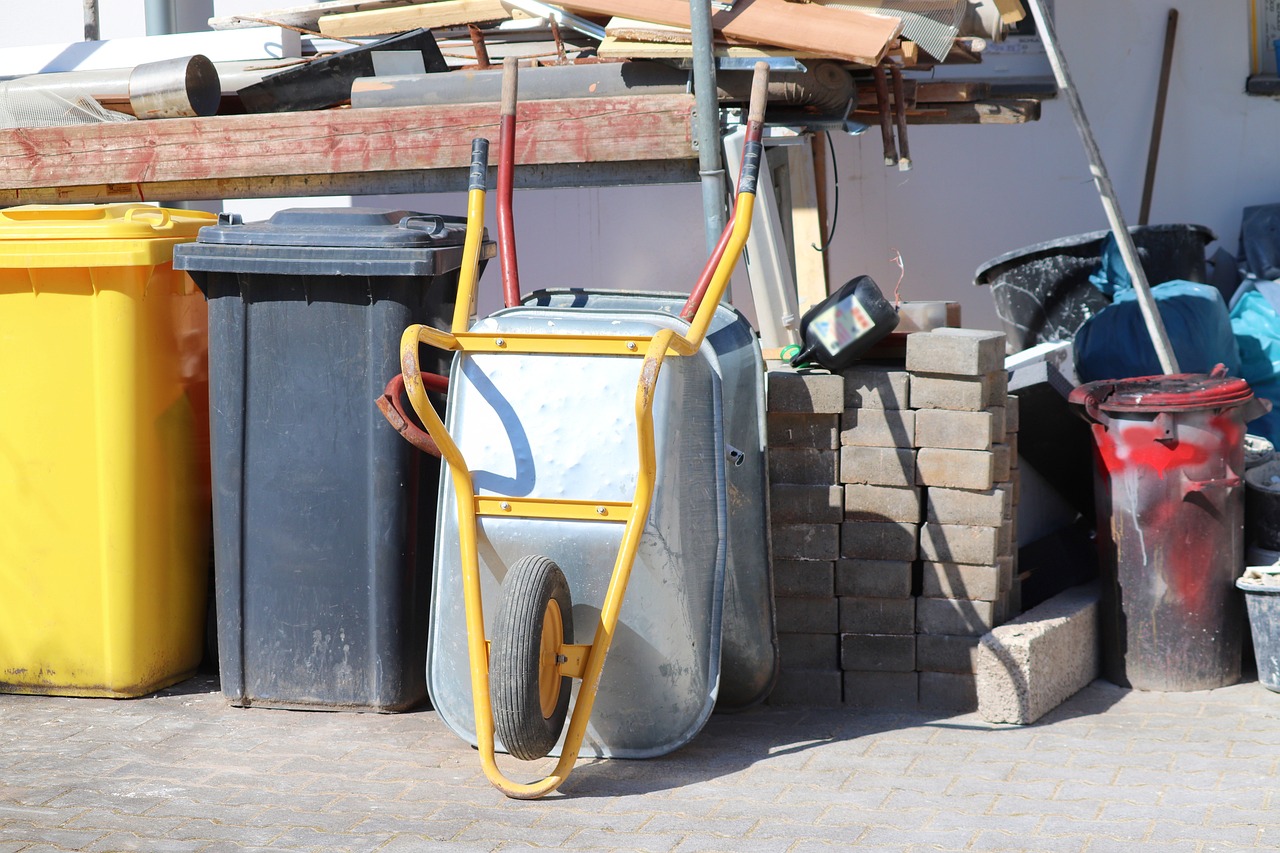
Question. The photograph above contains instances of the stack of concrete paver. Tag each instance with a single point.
(878, 539)
(892, 496)
(805, 510)
(964, 434)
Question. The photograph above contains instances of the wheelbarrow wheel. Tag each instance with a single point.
(530, 698)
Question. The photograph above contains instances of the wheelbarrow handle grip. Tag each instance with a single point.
(510, 73)
(479, 177)
(759, 92)
(393, 410)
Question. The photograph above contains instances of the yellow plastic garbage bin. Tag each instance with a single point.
(104, 461)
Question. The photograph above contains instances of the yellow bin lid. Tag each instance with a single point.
(95, 235)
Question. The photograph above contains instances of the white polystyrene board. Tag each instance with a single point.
(225, 46)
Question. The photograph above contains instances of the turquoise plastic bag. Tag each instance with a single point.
(1256, 324)
(1115, 344)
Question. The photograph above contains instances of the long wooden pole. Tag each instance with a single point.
(1157, 122)
(1124, 241)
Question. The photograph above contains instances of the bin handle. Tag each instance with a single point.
(393, 410)
(432, 223)
(134, 212)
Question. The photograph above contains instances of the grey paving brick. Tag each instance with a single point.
(804, 392)
(948, 691)
(972, 394)
(962, 352)
(956, 543)
(953, 580)
(27, 832)
(958, 430)
(877, 428)
(957, 506)
(878, 466)
(807, 687)
(820, 432)
(805, 541)
(118, 841)
(945, 653)
(878, 652)
(956, 469)
(881, 690)
(809, 651)
(796, 503)
(807, 615)
(803, 578)
(950, 616)
(806, 465)
(879, 540)
(864, 502)
(877, 615)
(873, 578)
(877, 387)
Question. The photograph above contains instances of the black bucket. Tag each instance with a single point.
(1043, 293)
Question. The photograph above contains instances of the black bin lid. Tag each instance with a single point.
(330, 241)
(354, 227)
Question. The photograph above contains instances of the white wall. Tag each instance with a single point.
(975, 192)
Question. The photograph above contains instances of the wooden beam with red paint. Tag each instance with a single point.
(305, 152)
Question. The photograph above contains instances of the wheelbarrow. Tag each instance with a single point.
(565, 459)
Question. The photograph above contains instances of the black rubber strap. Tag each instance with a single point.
(479, 164)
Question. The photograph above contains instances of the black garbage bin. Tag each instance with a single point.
(1042, 293)
(323, 514)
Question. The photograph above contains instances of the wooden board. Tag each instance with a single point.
(612, 48)
(304, 17)
(806, 228)
(429, 16)
(218, 154)
(839, 33)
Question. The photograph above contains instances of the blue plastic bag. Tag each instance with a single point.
(1115, 344)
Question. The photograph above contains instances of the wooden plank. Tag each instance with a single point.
(321, 144)
(612, 48)
(304, 17)
(442, 13)
(839, 33)
(806, 229)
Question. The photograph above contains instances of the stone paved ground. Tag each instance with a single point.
(1111, 770)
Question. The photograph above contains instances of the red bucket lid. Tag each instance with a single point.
(1182, 392)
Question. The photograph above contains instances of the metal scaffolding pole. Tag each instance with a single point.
(707, 122)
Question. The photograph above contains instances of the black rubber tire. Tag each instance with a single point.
(515, 658)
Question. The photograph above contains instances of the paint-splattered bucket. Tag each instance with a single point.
(1170, 502)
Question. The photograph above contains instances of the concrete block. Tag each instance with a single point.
(881, 690)
(955, 429)
(1029, 666)
(807, 615)
(875, 387)
(977, 509)
(973, 394)
(877, 428)
(948, 616)
(948, 691)
(809, 651)
(878, 540)
(877, 615)
(812, 688)
(961, 352)
(959, 543)
(800, 503)
(878, 466)
(803, 578)
(946, 653)
(878, 652)
(999, 427)
(1011, 414)
(955, 469)
(804, 391)
(952, 580)
(802, 465)
(873, 578)
(821, 432)
(881, 503)
(805, 541)
(1001, 462)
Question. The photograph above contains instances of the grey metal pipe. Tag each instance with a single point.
(1110, 204)
(161, 17)
(185, 86)
(92, 28)
(706, 131)
(824, 86)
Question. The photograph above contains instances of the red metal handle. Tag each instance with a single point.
(393, 410)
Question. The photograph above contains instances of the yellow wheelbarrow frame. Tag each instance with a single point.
(585, 662)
